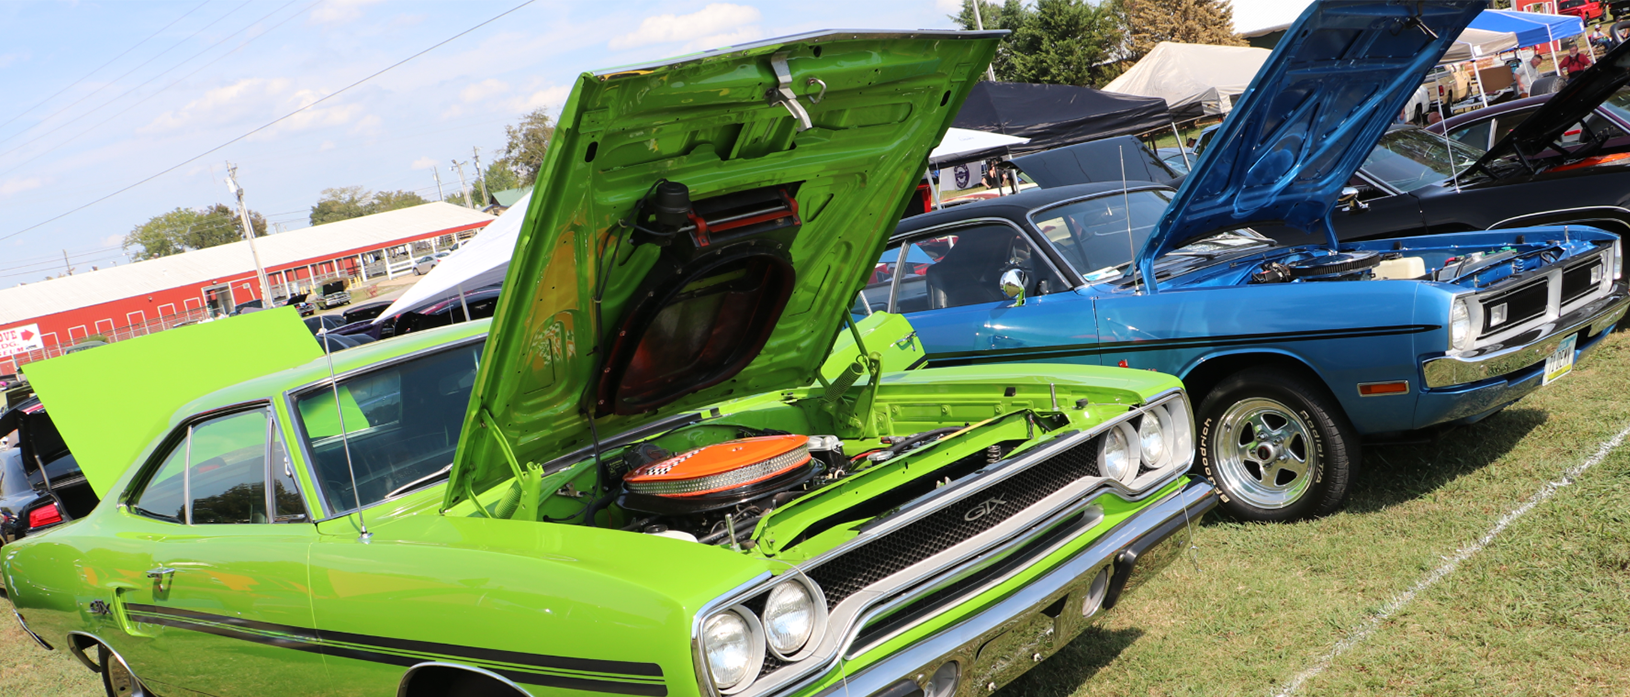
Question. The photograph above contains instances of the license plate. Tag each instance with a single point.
(1560, 362)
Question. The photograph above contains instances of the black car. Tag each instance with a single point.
(482, 302)
(61, 492)
(365, 311)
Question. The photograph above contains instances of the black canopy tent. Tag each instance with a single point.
(1052, 116)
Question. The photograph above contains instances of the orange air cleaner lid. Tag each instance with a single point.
(720, 467)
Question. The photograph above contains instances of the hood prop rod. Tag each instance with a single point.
(782, 93)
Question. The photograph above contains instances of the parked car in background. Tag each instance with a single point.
(365, 311)
(1557, 160)
(16, 492)
(298, 300)
(1431, 331)
(715, 505)
(482, 302)
(334, 294)
(429, 261)
(1587, 10)
(251, 306)
(59, 489)
(324, 323)
(1418, 106)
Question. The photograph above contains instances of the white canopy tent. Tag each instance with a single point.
(1194, 79)
(1477, 43)
(482, 261)
(966, 145)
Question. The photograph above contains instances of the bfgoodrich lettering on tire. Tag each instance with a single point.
(1276, 446)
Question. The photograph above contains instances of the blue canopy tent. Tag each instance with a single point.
(1531, 28)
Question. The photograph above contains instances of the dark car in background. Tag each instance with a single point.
(365, 311)
(60, 490)
(298, 300)
(482, 303)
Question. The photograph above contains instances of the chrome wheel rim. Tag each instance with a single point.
(121, 680)
(1265, 453)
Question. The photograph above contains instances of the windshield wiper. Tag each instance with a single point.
(421, 482)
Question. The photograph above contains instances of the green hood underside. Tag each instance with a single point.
(586, 325)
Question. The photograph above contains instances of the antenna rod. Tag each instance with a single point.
(1126, 205)
(345, 440)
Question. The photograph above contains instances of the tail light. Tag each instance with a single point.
(44, 515)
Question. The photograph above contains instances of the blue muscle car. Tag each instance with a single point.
(1296, 353)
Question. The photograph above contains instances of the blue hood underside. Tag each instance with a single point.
(1318, 106)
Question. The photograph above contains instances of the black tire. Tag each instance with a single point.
(117, 680)
(1261, 423)
(473, 685)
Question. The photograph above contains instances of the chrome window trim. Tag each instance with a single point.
(139, 483)
(1044, 252)
(852, 614)
(290, 402)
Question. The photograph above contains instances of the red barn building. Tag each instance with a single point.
(38, 320)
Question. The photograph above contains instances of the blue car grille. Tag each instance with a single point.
(1576, 281)
(1522, 304)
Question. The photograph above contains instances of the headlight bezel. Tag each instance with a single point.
(819, 619)
(756, 646)
(1462, 340)
(1132, 458)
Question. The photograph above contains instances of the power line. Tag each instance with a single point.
(161, 90)
(127, 74)
(104, 65)
(274, 122)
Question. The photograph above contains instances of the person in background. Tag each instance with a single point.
(1599, 40)
(1527, 73)
(1574, 63)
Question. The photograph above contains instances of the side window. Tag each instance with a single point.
(964, 266)
(227, 469)
(217, 474)
(1475, 135)
(1504, 123)
(165, 495)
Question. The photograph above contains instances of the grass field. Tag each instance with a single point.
(1542, 609)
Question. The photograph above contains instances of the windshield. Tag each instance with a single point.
(401, 424)
(1619, 103)
(1410, 158)
(1095, 234)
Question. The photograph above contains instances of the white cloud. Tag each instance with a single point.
(6, 59)
(425, 162)
(739, 36)
(218, 104)
(948, 6)
(17, 185)
(327, 146)
(339, 11)
(549, 98)
(483, 90)
(112, 240)
(714, 20)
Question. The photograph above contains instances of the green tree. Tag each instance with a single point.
(1149, 22)
(499, 177)
(184, 229)
(1061, 42)
(527, 140)
(347, 202)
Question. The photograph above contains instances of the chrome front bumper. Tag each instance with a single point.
(1004, 641)
(1493, 362)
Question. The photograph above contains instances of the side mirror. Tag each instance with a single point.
(1349, 200)
(1012, 284)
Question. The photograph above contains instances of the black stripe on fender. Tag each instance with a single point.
(317, 641)
(1031, 353)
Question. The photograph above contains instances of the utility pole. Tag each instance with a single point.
(463, 185)
(979, 23)
(248, 233)
(65, 262)
(482, 178)
(436, 172)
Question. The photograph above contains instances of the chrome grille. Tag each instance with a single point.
(938, 531)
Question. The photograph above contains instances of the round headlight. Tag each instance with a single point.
(1460, 326)
(1115, 458)
(789, 618)
(1152, 438)
(731, 649)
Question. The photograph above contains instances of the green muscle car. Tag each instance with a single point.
(670, 464)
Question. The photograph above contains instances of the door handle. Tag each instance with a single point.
(160, 572)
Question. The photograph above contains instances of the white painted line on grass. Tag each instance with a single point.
(1368, 627)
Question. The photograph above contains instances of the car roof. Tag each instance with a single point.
(1488, 112)
(1015, 205)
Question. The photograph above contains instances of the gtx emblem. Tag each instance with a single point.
(984, 508)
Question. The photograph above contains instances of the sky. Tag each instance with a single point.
(103, 95)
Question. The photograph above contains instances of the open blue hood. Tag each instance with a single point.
(1319, 105)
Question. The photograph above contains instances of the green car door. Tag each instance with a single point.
(221, 599)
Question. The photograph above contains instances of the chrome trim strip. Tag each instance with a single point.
(402, 686)
(29, 632)
(902, 664)
(820, 36)
(1476, 365)
(1518, 221)
(308, 461)
(851, 614)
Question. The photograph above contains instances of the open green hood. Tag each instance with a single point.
(699, 229)
(110, 402)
